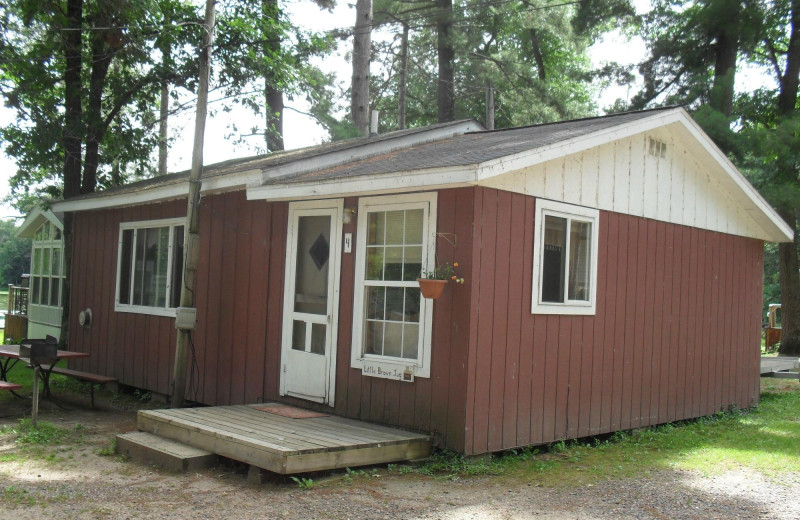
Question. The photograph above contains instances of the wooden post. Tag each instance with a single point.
(191, 248)
(35, 405)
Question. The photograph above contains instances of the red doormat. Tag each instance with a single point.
(289, 411)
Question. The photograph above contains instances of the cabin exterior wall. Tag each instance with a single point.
(675, 334)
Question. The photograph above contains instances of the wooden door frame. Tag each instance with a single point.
(336, 208)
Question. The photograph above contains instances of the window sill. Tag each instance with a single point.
(152, 311)
(566, 310)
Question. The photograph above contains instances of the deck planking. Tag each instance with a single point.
(282, 444)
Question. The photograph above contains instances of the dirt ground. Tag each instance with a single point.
(78, 481)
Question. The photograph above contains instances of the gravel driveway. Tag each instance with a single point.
(75, 481)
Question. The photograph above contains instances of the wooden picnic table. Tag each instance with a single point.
(9, 356)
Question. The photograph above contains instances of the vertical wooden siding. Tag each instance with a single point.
(676, 332)
(436, 404)
(239, 277)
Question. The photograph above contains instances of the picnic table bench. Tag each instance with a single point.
(92, 379)
(5, 385)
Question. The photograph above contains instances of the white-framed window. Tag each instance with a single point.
(150, 266)
(564, 259)
(391, 320)
(47, 266)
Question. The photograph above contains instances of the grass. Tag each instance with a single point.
(765, 439)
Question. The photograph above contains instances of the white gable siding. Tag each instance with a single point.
(622, 176)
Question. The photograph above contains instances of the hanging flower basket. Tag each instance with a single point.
(431, 288)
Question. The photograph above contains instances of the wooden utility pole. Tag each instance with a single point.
(401, 95)
(191, 248)
(489, 105)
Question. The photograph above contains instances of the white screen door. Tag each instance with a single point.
(311, 300)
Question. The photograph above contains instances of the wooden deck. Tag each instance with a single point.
(281, 444)
(772, 366)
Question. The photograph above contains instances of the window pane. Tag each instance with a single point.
(39, 233)
(376, 297)
(45, 299)
(125, 267)
(580, 239)
(554, 259)
(318, 338)
(57, 233)
(37, 260)
(394, 303)
(35, 291)
(375, 228)
(413, 301)
(138, 265)
(374, 263)
(412, 264)
(162, 262)
(311, 267)
(410, 341)
(46, 261)
(177, 266)
(394, 264)
(395, 227)
(393, 340)
(46, 234)
(56, 264)
(54, 290)
(298, 335)
(374, 338)
(414, 218)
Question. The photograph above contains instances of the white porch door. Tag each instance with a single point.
(311, 300)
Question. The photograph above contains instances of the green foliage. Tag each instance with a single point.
(15, 254)
(304, 483)
(44, 433)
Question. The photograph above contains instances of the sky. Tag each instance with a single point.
(300, 130)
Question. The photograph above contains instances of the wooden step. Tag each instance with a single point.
(167, 454)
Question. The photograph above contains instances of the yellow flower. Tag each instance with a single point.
(454, 277)
(455, 264)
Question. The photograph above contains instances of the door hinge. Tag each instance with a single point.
(284, 368)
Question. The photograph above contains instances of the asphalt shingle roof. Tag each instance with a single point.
(466, 149)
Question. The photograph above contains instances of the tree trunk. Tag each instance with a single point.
(72, 138)
(362, 43)
(71, 142)
(163, 121)
(446, 88)
(272, 91)
(788, 252)
(401, 94)
(789, 278)
(191, 246)
(727, 49)
(102, 55)
(537, 54)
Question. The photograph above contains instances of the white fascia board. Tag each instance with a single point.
(34, 219)
(772, 223)
(518, 161)
(368, 149)
(452, 177)
(159, 193)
